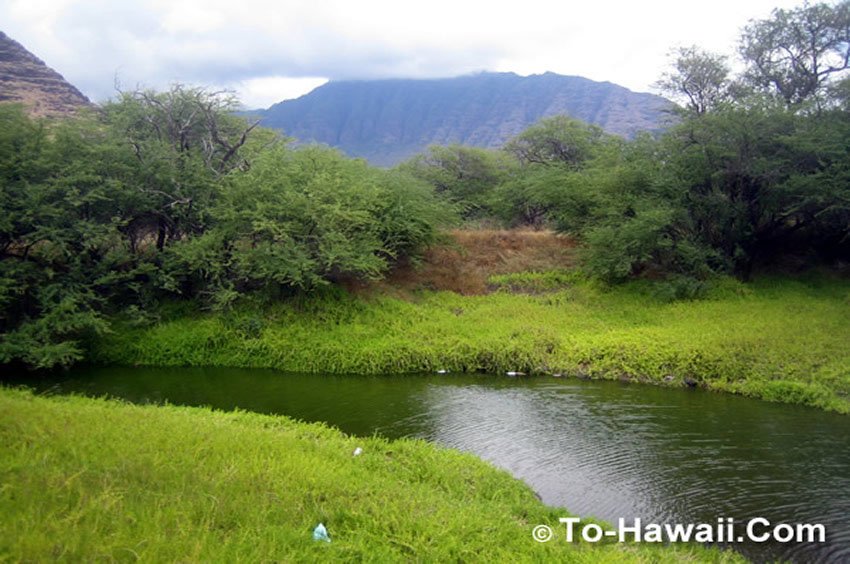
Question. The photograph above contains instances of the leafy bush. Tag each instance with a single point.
(168, 193)
(466, 176)
(299, 219)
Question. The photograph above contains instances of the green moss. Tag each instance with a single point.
(86, 480)
(751, 339)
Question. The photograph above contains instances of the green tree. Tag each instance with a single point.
(748, 178)
(795, 53)
(58, 239)
(557, 141)
(760, 182)
(299, 219)
(467, 176)
(628, 213)
(550, 153)
(699, 79)
(183, 141)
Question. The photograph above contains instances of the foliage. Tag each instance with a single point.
(524, 200)
(795, 53)
(753, 175)
(551, 153)
(738, 338)
(465, 175)
(557, 140)
(699, 78)
(169, 192)
(301, 219)
(60, 256)
(761, 183)
(183, 141)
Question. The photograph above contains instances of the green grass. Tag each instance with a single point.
(84, 480)
(778, 339)
(532, 282)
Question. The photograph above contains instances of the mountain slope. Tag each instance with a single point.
(386, 121)
(24, 78)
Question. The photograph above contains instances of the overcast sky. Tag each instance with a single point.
(268, 51)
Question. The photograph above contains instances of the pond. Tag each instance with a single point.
(603, 449)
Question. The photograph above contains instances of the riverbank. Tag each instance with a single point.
(86, 479)
(779, 339)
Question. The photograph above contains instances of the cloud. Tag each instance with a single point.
(265, 91)
(255, 46)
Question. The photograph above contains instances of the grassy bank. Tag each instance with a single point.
(85, 480)
(776, 339)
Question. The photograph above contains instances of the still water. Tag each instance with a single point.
(603, 449)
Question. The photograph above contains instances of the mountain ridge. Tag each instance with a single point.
(26, 79)
(388, 120)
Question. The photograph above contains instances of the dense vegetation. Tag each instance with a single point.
(163, 229)
(753, 173)
(164, 195)
(83, 481)
(158, 198)
(745, 339)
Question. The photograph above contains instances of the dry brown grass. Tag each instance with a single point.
(470, 257)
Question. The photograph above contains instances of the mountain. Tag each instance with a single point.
(387, 121)
(26, 79)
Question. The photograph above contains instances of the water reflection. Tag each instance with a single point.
(613, 451)
(598, 448)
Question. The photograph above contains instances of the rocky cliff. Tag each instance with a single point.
(386, 121)
(24, 78)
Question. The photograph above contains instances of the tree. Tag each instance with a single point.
(183, 142)
(300, 219)
(465, 175)
(698, 78)
(558, 141)
(627, 212)
(732, 165)
(58, 239)
(549, 152)
(797, 52)
(761, 183)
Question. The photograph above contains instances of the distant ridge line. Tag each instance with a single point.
(389, 120)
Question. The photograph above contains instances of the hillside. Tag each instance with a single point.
(26, 79)
(468, 261)
(387, 121)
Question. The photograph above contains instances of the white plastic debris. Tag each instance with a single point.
(512, 373)
(442, 371)
(320, 533)
(357, 452)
